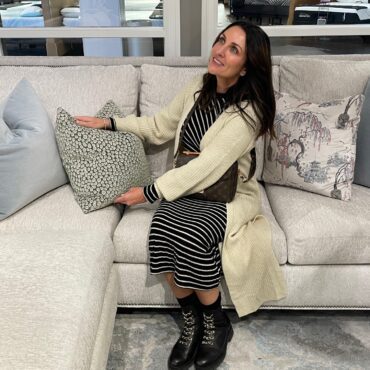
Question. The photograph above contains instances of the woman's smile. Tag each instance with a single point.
(217, 62)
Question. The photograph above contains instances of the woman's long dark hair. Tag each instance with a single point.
(255, 86)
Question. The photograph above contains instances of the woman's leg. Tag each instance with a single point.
(177, 291)
(217, 330)
(207, 297)
(203, 338)
(186, 347)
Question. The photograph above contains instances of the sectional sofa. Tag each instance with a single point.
(63, 273)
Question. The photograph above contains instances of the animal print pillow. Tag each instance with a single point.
(100, 164)
(315, 147)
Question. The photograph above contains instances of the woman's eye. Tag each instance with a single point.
(234, 50)
(221, 40)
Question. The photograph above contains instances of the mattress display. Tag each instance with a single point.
(333, 13)
(241, 8)
(71, 22)
(24, 15)
(13, 22)
(71, 16)
(267, 2)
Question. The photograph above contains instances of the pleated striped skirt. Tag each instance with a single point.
(184, 238)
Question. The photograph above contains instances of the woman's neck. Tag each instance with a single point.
(224, 85)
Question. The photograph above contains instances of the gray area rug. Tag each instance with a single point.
(263, 340)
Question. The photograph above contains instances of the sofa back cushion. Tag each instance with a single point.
(159, 85)
(318, 80)
(81, 90)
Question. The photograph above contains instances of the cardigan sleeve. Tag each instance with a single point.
(162, 126)
(234, 140)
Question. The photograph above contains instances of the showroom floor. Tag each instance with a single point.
(304, 340)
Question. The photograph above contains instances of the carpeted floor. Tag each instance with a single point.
(264, 340)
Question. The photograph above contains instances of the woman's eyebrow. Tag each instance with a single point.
(233, 43)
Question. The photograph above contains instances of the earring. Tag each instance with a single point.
(243, 73)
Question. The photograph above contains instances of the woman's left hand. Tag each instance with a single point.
(131, 197)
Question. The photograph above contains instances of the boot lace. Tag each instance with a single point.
(189, 328)
(209, 329)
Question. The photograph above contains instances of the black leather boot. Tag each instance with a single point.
(184, 351)
(217, 332)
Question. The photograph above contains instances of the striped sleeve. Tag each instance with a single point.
(113, 126)
(150, 193)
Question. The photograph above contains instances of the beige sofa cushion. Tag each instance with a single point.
(131, 236)
(318, 80)
(159, 85)
(58, 210)
(321, 230)
(81, 90)
(52, 292)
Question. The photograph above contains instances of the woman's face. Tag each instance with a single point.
(228, 57)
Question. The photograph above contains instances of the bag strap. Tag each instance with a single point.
(180, 147)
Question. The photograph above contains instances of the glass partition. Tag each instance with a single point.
(296, 12)
(307, 13)
(320, 45)
(83, 13)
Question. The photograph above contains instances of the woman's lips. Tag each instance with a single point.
(217, 62)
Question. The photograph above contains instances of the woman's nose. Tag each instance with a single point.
(221, 50)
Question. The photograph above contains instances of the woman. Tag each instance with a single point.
(234, 105)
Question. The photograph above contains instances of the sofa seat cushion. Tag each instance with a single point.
(58, 210)
(321, 230)
(131, 236)
(52, 292)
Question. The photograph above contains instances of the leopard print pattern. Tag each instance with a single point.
(100, 164)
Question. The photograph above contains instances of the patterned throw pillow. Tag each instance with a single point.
(100, 164)
(315, 147)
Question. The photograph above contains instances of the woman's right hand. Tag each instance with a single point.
(92, 122)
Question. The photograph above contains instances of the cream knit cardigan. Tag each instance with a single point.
(251, 271)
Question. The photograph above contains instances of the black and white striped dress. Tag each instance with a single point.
(185, 233)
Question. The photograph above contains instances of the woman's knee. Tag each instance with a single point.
(169, 277)
(208, 296)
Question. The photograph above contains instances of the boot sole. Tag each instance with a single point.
(219, 361)
(186, 365)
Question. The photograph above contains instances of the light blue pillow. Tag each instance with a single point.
(5, 132)
(31, 11)
(30, 165)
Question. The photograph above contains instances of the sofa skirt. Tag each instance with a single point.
(309, 287)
